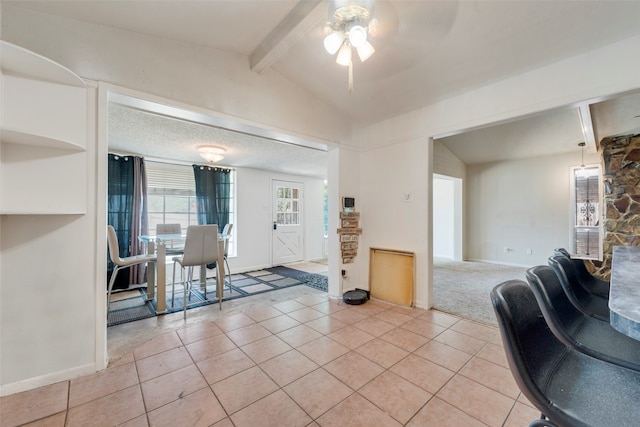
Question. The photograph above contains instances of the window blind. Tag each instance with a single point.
(167, 179)
(586, 205)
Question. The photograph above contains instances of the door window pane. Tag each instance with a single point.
(287, 205)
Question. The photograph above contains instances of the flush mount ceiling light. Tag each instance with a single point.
(211, 153)
(350, 22)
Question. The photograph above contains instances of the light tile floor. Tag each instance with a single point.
(297, 358)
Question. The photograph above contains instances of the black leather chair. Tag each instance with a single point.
(592, 284)
(570, 388)
(588, 303)
(583, 333)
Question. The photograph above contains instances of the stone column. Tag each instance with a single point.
(621, 176)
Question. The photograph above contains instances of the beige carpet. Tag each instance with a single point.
(462, 288)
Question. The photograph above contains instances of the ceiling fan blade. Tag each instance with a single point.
(385, 20)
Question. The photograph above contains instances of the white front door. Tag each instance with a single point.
(287, 222)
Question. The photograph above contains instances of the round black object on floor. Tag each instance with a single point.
(355, 297)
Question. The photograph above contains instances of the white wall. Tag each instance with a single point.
(344, 181)
(255, 218)
(443, 218)
(390, 220)
(48, 299)
(448, 166)
(446, 163)
(48, 295)
(575, 80)
(514, 206)
(579, 79)
(188, 73)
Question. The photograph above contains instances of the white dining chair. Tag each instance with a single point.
(119, 262)
(200, 249)
(226, 231)
(172, 248)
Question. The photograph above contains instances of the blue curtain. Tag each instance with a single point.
(213, 195)
(213, 191)
(127, 213)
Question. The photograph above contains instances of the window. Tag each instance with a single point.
(288, 200)
(586, 207)
(326, 209)
(172, 197)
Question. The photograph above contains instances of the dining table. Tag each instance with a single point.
(624, 292)
(157, 244)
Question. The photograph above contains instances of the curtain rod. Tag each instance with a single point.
(172, 161)
(124, 154)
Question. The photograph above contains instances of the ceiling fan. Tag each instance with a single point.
(349, 26)
(396, 31)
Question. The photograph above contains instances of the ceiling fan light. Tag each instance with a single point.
(365, 51)
(211, 153)
(344, 55)
(333, 42)
(357, 36)
(213, 158)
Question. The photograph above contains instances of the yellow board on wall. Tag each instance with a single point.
(392, 276)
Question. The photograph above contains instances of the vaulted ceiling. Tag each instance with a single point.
(425, 50)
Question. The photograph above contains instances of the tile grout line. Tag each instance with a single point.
(210, 386)
(385, 369)
(330, 314)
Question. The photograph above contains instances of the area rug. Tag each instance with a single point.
(133, 306)
(462, 288)
(317, 281)
(243, 284)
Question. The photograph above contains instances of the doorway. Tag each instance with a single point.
(172, 123)
(287, 222)
(447, 217)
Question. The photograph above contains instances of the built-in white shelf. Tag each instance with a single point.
(17, 60)
(14, 136)
(39, 212)
(43, 130)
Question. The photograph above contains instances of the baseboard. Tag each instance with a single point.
(48, 379)
(510, 264)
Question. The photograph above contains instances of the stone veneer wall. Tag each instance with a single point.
(621, 176)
